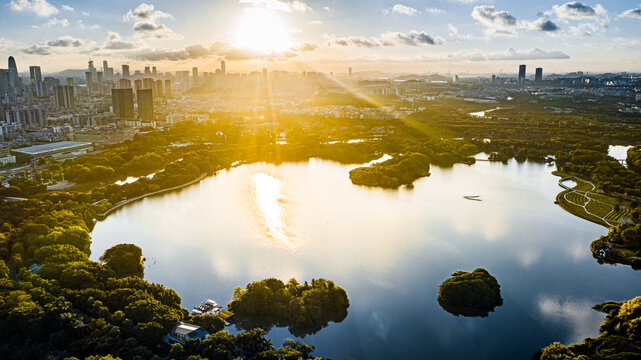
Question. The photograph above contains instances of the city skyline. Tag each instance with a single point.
(446, 36)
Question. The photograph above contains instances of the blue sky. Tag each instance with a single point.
(458, 36)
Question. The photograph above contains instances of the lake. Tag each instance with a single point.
(389, 249)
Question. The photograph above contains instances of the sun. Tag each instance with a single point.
(262, 30)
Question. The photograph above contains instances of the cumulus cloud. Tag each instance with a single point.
(65, 41)
(116, 42)
(433, 10)
(39, 7)
(57, 22)
(145, 18)
(575, 10)
(218, 49)
(544, 25)
(67, 8)
(632, 13)
(158, 31)
(388, 39)
(401, 10)
(489, 16)
(279, 5)
(37, 50)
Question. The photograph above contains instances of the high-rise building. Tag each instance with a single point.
(5, 87)
(538, 77)
(153, 71)
(138, 84)
(145, 104)
(148, 83)
(125, 71)
(70, 82)
(349, 71)
(123, 103)
(124, 84)
(167, 88)
(493, 79)
(64, 96)
(158, 93)
(100, 81)
(194, 72)
(93, 70)
(105, 66)
(89, 79)
(521, 73)
(147, 70)
(223, 68)
(14, 78)
(36, 80)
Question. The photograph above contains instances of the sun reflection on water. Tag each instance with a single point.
(270, 208)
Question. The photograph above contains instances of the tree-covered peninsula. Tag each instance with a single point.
(470, 294)
(303, 308)
(620, 337)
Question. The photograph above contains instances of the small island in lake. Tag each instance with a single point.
(303, 308)
(401, 170)
(470, 294)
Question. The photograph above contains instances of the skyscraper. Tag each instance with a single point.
(123, 103)
(14, 78)
(93, 70)
(125, 71)
(223, 68)
(538, 77)
(145, 104)
(158, 93)
(89, 79)
(153, 71)
(167, 88)
(36, 80)
(124, 84)
(138, 84)
(194, 72)
(350, 71)
(64, 96)
(100, 81)
(147, 70)
(521, 73)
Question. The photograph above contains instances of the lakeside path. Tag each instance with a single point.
(120, 204)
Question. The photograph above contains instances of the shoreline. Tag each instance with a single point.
(118, 205)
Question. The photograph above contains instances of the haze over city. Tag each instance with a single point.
(442, 36)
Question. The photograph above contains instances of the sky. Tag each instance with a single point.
(401, 36)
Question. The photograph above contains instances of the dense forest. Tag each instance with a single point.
(473, 293)
(303, 308)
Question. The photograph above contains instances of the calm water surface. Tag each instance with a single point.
(389, 249)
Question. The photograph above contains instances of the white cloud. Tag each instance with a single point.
(67, 8)
(57, 22)
(453, 29)
(576, 10)
(116, 42)
(388, 39)
(496, 22)
(85, 13)
(279, 5)
(316, 22)
(507, 55)
(39, 7)
(145, 12)
(401, 10)
(433, 10)
(632, 13)
(146, 22)
(543, 25)
(65, 41)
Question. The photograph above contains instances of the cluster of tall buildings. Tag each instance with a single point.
(538, 75)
